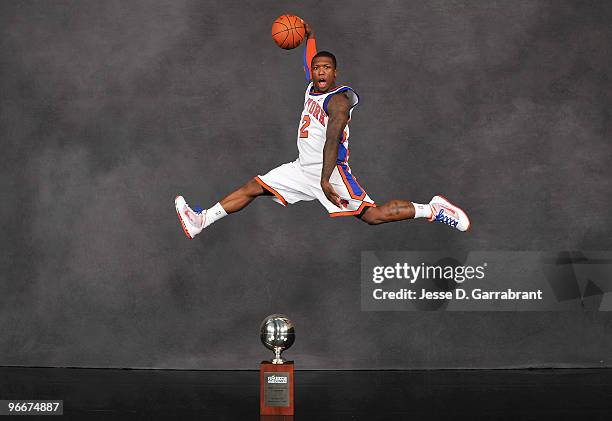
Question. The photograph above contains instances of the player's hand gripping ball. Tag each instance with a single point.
(288, 31)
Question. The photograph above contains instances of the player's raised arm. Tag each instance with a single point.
(338, 111)
(311, 49)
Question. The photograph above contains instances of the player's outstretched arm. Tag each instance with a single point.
(311, 49)
(338, 111)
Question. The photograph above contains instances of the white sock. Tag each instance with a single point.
(421, 211)
(214, 214)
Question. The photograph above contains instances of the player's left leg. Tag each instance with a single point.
(439, 209)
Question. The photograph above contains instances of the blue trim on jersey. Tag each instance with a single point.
(349, 177)
(342, 151)
(306, 67)
(333, 91)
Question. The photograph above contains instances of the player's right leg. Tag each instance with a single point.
(194, 221)
(285, 184)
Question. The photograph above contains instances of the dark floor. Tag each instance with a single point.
(108, 394)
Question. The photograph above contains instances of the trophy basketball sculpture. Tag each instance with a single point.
(276, 377)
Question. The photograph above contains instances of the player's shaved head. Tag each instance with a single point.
(326, 54)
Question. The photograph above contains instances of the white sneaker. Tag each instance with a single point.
(445, 212)
(191, 221)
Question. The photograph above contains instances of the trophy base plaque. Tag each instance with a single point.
(276, 388)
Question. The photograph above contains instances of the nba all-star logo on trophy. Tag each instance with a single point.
(277, 379)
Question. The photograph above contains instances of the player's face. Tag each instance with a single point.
(323, 74)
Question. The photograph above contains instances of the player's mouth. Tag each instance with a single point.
(322, 83)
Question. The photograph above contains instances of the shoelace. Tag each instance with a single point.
(198, 209)
(445, 219)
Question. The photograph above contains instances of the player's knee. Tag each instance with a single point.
(370, 216)
(252, 188)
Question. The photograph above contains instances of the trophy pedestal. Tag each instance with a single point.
(276, 388)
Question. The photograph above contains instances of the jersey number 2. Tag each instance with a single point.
(305, 124)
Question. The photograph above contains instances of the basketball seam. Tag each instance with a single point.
(295, 27)
(295, 23)
(291, 30)
(287, 36)
(280, 23)
(276, 33)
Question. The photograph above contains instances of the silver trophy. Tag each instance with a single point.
(277, 334)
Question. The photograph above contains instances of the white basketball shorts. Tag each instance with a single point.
(291, 183)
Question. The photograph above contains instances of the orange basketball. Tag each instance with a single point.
(288, 31)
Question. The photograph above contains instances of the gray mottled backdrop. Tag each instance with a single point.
(108, 109)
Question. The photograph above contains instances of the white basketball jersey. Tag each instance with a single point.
(313, 127)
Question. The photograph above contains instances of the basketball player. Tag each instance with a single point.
(321, 170)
